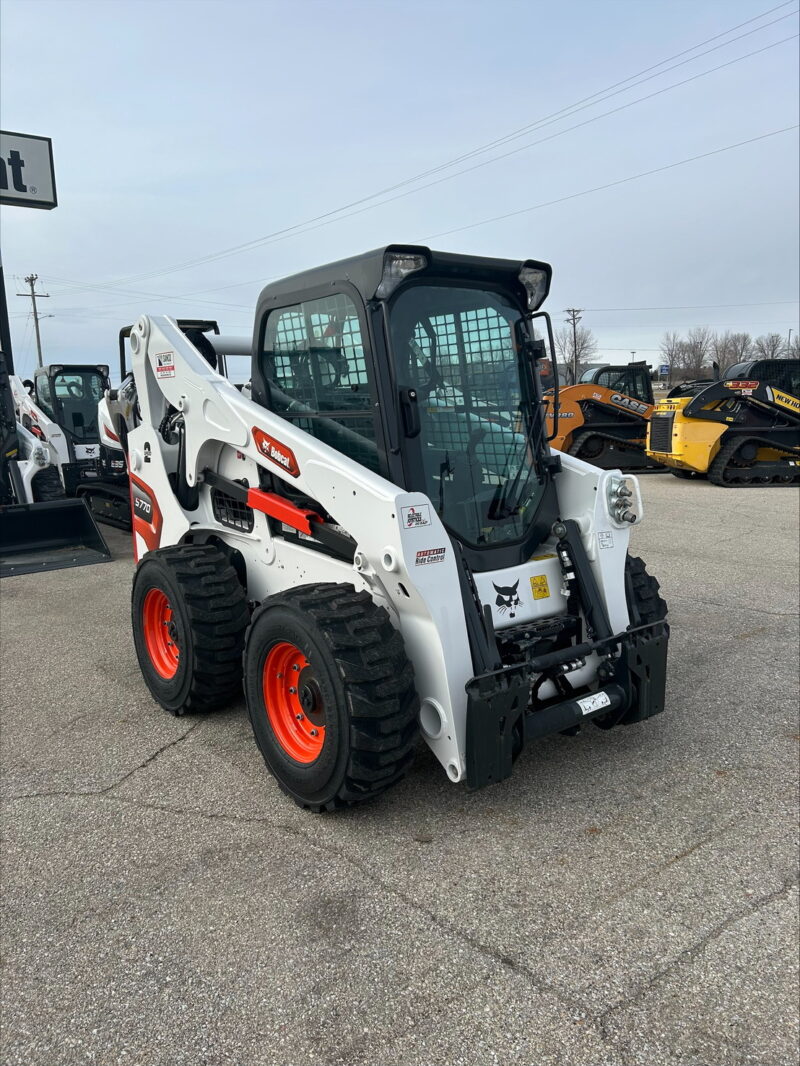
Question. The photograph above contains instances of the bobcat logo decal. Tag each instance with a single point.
(507, 598)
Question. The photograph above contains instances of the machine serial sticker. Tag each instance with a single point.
(416, 517)
(430, 555)
(540, 588)
(605, 539)
(165, 365)
(595, 702)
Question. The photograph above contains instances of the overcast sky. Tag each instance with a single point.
(182, 128)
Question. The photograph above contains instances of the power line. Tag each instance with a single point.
(608, 185)
(695, 307)
(325, 219)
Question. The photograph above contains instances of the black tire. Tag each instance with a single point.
(209, 620)
(358, 682)
(46, 485)
(645, 604)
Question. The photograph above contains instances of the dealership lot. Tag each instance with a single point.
(626, 897)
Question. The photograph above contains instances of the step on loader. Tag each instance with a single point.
(741, 431)
(374, 537)
(603, 418)
(40, 529)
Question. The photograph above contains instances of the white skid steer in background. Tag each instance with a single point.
(374, 535)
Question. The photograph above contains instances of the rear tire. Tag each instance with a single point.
(46, 485)
(331, 696)
(189, 616)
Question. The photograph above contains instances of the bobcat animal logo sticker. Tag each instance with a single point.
(507, 598)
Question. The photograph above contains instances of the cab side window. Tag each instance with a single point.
(315, 365)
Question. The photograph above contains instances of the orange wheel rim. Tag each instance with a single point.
(294, 703)
(160, 634)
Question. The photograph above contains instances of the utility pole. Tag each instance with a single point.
(789, 345)
(574, 318)
(31, 280)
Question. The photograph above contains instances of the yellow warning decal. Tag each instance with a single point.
(538, 558)
(540, 588)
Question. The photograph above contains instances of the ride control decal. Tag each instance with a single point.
(540, 588)
(429, 556)
(595, 702)
(276, 452)
(415, 517)
(165, 365)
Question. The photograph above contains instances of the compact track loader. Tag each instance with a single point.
(603, 419)
(59, 407)
(374, 535)
(741, 431)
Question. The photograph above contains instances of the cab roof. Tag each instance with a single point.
(365, 272)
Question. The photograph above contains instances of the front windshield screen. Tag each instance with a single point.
(76, 394)
(475, 453)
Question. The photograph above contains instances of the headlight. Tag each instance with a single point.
(396, 267)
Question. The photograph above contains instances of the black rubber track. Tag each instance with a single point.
(46, 485)
(644, 599)
(748, 478)
(377, 679)
(212, 620)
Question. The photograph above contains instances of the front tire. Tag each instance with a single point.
(189, 616)
(331, 696)
(46, 485)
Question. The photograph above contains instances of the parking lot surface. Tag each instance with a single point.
(627, 897)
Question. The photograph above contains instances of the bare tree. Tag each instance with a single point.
(793, 347)
(586, 346)
(670, 348)
(769, 345)
(722, 348)
(694, 352)
(741, 345)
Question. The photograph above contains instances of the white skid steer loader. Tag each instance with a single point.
(375, 536)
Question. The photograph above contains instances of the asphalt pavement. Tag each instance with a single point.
(627, 897)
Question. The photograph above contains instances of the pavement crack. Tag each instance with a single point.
(691, 953)
(70, 793)
(497, 956)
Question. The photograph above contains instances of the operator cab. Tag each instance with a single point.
(69, 395)
(631, 380)
(783, 374)
(422, 367)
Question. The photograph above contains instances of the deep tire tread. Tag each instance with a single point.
(218, 617)
(378, 680)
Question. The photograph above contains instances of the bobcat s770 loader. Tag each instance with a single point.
(374, 535)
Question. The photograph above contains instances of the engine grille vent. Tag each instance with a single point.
(661, 432)
(231, 513)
